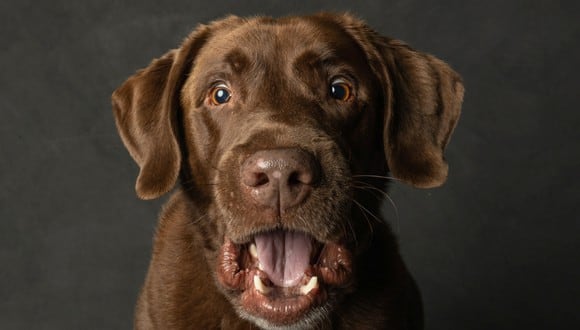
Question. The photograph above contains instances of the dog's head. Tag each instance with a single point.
(270, 125)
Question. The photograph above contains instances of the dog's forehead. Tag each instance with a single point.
(278, 41)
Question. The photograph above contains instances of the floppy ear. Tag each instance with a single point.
(421, 113)
(145, 109)
(422, 97)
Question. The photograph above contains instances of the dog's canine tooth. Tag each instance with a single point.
(312, 284)
(263, 289)
(253, 251)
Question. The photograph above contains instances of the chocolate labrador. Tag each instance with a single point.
(280, 134)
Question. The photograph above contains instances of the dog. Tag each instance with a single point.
(282, 136)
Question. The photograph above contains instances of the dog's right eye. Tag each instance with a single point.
(220, 94)
(340, 90)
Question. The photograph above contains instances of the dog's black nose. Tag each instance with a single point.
(279, 178)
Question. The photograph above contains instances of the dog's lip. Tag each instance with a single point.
(279, 307)
(240, 274)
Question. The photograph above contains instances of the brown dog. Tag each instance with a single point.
(280, 133)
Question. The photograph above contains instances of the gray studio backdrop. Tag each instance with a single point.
(495, 248)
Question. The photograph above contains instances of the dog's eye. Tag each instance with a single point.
(340, 90)
(220, 94)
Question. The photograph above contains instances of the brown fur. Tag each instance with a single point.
(400, 118)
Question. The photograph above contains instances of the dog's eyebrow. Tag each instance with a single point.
(237, 60)
(311, 60)
(323, 61)
(316, 57)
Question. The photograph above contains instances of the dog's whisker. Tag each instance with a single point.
(367, 211)
(381, 192)
(320, 254)
(215, 168)
(200, 183)
(384, 177)
(196, 183)
(199, 219)
(364, 212)
(353, 233)
(366, 186)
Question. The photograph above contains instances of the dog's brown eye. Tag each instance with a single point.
(220, 94)
(340, 90)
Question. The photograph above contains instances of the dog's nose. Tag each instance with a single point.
(279, 178)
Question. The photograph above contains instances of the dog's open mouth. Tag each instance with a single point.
(282, 275)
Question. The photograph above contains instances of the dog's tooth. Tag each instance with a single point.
(312, 284)
(260, 285)
(253, 251)
(260, 267)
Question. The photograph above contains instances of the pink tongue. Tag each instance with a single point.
(284, 256)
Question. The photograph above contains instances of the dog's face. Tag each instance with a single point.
(270, 123)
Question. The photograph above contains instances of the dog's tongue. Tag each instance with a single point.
(284, 256)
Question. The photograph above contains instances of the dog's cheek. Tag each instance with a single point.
(331, 204)
(201, 140)
(365, 141)
(229, 202)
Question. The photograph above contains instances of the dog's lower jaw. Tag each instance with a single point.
(317, 318)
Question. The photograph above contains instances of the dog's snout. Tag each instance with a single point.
(279, 178)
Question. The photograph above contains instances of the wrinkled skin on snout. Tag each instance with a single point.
(280, 135)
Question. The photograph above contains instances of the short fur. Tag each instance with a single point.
(403, 111)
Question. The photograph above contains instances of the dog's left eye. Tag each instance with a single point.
(340, 89)
(220, 94)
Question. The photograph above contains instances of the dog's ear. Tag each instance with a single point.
(422, 97)
(423, 107)
(145, 109)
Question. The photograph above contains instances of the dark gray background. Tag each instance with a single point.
(495, 248)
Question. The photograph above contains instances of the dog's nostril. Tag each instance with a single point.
(299, 177)
(261, 179)
(255, 179)
(294, 179)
